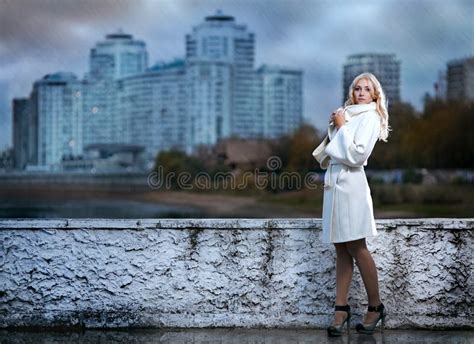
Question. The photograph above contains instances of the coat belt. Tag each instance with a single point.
(328, 182)
(328, 176)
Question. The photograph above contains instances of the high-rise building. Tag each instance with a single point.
(209, 101)
(460, 79)
(153, 106)
(223, 86)
(5, 137)
(440, 86)
(118, 56)
(56, 117)
(282, 93)
(21, 132)
(385, 67)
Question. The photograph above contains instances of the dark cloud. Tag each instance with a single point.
(32, 26)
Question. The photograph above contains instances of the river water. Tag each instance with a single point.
(124, 209)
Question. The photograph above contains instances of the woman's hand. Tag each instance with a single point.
(337, 117)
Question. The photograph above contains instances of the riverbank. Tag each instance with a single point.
(200, 204)
(227, 204)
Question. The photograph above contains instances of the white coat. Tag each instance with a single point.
(347, 202)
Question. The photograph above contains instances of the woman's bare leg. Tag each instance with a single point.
(358, 250)
(344, 270)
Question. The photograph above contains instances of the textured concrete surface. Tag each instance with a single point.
(224, 273)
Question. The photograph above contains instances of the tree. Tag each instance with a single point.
(301, 145)
(397, 152)
(176, 161)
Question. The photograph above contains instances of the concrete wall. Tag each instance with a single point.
(225, 272)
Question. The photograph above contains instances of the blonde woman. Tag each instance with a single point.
(347, 204)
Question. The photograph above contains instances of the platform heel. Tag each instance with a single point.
(370, 328)
(336, 331)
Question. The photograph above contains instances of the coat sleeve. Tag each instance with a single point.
(353, 148)
(331, 131)
(332, 128)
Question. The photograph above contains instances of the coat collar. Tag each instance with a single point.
(357, 109)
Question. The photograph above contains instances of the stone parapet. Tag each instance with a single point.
(164, 273)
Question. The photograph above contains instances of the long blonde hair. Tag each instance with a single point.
(379, 96)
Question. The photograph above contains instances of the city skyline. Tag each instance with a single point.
(212, 94)
(58, 38)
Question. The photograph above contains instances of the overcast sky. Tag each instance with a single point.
(38, 37)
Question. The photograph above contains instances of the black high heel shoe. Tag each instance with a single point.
(336, 331)
(370, 328)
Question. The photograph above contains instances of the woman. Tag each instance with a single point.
(347, 204)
